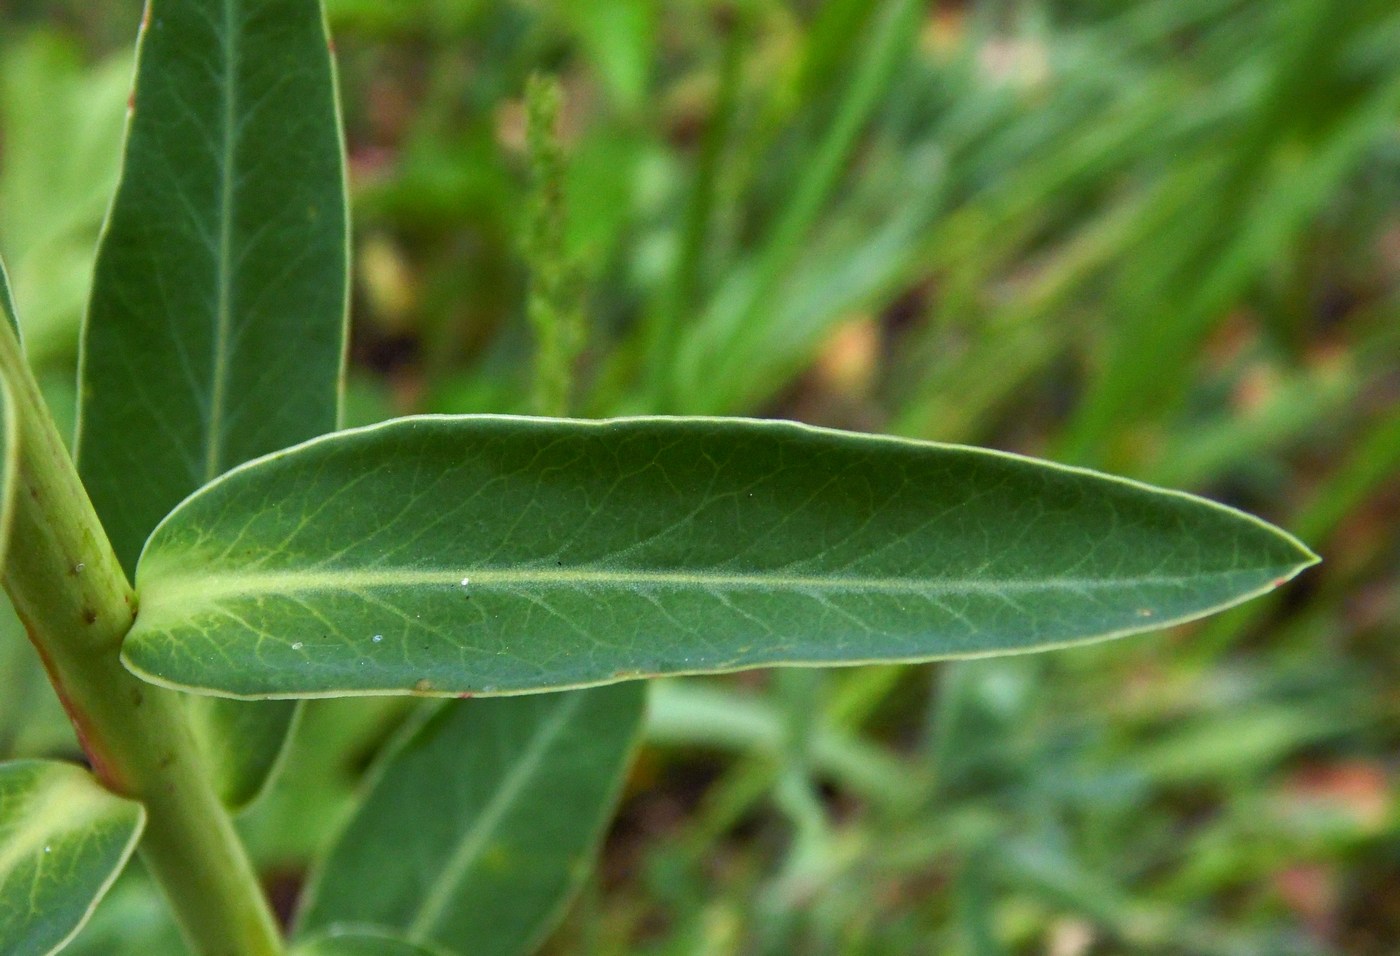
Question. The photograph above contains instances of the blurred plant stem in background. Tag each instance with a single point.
(555, 303)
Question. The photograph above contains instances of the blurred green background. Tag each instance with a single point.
(1159, 237)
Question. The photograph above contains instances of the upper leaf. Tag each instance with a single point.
(480, 825)
(217, 323)
(216, 327)
(498, 554)
(63, 839)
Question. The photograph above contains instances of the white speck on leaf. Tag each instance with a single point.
(298, 646)
(377, 638)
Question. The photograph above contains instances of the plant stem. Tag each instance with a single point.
(77, 606)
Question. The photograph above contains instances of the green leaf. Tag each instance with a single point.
(499, 555)
(361, 943)
(7, 301)
(9, 426)
(63, 840)
(133, 919)
(217, 323)
(244, 742)
(481, 824)
(9, 467)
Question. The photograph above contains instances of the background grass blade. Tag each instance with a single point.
(63, 839)
(62, 129)
(463, 841)
(7, 300)
(216, 327)
(9, 464)
(9, 430)
(497, 554)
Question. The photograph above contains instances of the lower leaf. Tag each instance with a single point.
(243, 741)
(482, 823)
(361, 943)
(63, 840)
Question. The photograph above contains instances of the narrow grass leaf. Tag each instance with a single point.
(63, 840)
(216, 328)
(9, 427)
(464, 841)
(493, 554)
(7, 301)
(9, 466)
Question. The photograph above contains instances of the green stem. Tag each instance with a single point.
(77, 606)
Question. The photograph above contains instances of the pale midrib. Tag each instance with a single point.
(180, 592)
(213, 438)
(469, 848)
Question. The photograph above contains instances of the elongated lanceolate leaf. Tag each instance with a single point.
(482, 823)
(63, 840)
(216, 328)
(497, 554)
(368, 943)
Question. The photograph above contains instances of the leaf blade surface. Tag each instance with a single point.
(63, 840)
(216, 327)
(491, 554)
(351, 942)
(482, 823)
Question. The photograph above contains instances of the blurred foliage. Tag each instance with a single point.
(1156, 236)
